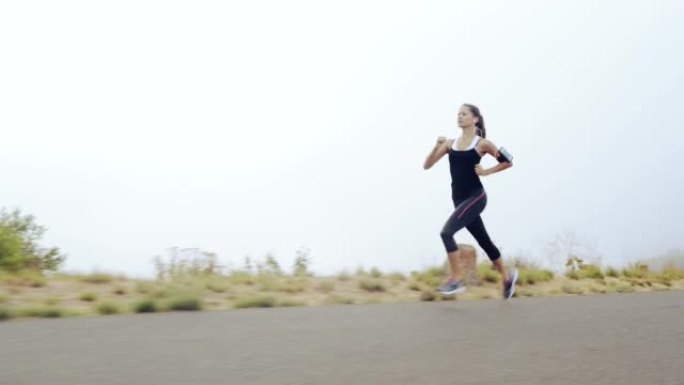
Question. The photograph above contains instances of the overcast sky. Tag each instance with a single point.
(247, 128)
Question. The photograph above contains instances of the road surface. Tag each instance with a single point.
(605, 339)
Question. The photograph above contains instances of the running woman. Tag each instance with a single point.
(468, 194)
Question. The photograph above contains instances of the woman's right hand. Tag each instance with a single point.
(436, 153)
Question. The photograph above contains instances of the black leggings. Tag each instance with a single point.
(467, 214)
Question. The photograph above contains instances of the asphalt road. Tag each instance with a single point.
(604, 339)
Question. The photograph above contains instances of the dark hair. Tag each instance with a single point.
(480, 120)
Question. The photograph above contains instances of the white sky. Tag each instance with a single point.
(247, 128)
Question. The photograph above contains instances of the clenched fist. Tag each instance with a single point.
(440, 140)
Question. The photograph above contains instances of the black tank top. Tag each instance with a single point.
(464, 180)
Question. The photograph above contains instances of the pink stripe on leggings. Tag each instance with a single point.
(471, 203)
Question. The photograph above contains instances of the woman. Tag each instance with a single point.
(468, 194)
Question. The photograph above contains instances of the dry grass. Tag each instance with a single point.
(372, 285)
(61, 295)
(97, 278)
(338, 300)
(325, 287)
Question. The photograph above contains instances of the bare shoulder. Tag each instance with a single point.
(485, 146)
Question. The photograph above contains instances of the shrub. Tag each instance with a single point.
(106, 308)
(88, 297)
(487, 274)
(290, 303)
(255, 301)
(19, 249)
(46, 312)
(339, 300)
(427, 295)
(145, 306)
(5, 314)
(185, 303)
(372, 285)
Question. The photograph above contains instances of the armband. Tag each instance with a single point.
(504, 156)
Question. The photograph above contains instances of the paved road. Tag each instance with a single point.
(608, 339)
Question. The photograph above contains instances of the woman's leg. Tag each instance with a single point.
(477, 229)
(479, 232)
(464, 213)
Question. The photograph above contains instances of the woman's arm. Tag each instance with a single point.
(489, 148)
(440, 149)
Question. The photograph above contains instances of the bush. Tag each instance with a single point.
(531, 274)
(240, 277)
(11, 253)
(107, 308)
(185, 303)
(293, 286)
(428, 295)
(19, 250)
(120, 290)
(372, 285)
(375, 272)
(612, 272)
(51, 301)
(290, 303)
(161, 293)
(415, 286)
(671, 273)
(591, 272)
(47, 312)
(534, 276)
(637, 270)
(88, 297)
(144, 287)
(217, 286)
(5, 314)
(339, 300)
(487, 274)
(145, 306)
(573, 274)
(255, 301)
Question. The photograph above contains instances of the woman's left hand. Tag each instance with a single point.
(480, 171)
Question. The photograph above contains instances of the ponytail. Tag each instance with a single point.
(481, 131)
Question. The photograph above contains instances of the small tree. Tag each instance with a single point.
(19, 249)
(302, 262)
(272, 265)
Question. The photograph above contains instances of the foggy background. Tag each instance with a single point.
(248, 128)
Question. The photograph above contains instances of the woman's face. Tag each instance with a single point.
(466, 117)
